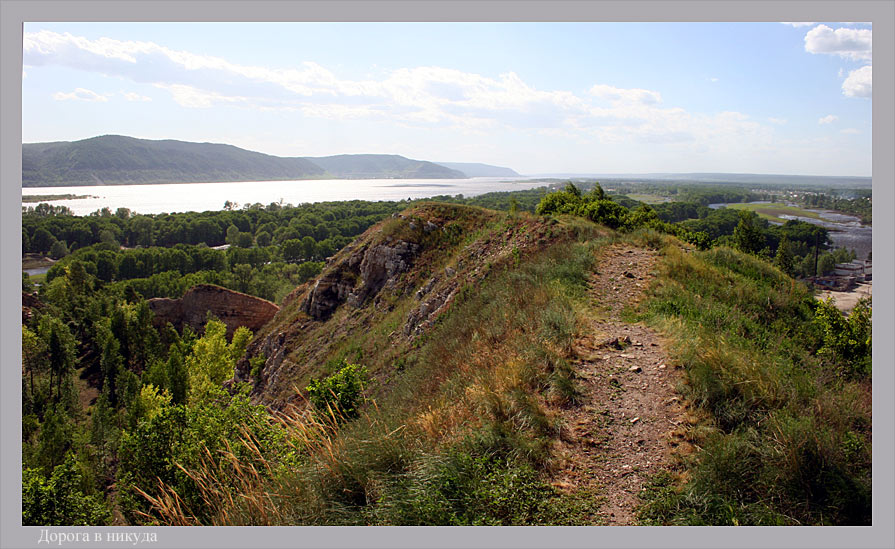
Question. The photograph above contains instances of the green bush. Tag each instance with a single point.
(340, 392)
(846, 340)
(60, 500)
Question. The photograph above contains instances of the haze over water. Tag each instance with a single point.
(199, 197)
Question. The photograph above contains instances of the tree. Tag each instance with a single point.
(826, 264)
(263, 239)
(42, 240)
(178, 377)
(213, 360)
(308, 248)
(33, 350)
(847, 340)
(747, 236)
(244, 240)
(232, 234)
(292, 250)
(243, 275)
(784, 258)
(59, 249)
(60, 349)
(59, 500)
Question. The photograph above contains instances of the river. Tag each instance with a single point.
(198, 197)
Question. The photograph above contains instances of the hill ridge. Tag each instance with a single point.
(123, 160)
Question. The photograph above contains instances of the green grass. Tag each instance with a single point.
(648, 198)
(785, 439)
(458, 426)
(773, 211)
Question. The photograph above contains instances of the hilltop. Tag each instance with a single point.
(382, 166)
(121, 160)
(457, 365)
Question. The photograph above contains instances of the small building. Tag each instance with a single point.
(858, 269)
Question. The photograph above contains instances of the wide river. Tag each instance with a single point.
(199, 197)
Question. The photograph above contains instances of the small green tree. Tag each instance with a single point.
(213, 360)
(785, 259)
(59, 249)
(747, 236)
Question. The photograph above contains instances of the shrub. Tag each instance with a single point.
(60, 500)
(340, 392)
(846, 340)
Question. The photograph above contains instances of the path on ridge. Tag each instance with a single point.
(619, 435)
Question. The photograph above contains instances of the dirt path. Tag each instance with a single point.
(846, 301)
(618, 436)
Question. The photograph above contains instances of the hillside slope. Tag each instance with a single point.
(115, 159)
(476, 169)
(121, 160)
(383, 166)
(457, 365)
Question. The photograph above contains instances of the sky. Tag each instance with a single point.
(781, 98)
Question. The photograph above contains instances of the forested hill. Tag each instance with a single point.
(121, 160)
(118, 160)
(475, 169)
(376, 166)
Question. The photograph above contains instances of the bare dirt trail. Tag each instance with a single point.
(620, 434)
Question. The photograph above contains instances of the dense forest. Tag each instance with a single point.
(115, 409)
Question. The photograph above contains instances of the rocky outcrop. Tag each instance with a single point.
(234, 309)
(361, 275)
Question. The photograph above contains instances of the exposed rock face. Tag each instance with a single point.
(360, 276)
(234, 309)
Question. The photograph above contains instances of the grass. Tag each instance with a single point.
(784, 439)
(773, 211)
(648, 198)
(458, 426)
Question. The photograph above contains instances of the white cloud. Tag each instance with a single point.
(713, 79)
(778, 121)
(428, 97)
(131, 96)
(828, 119)
(848, 43)
(80, 94)
(797, 24)
(859, 82)
(850, 131)
(619, 95)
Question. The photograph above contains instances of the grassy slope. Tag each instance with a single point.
(783, 438)
(458, 424)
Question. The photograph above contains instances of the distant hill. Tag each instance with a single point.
(475, 169)
(741, 178)
(120, 160)
(376, 166)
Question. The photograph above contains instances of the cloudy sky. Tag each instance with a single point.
(792, 98)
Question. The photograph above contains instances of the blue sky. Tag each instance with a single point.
(537, 97)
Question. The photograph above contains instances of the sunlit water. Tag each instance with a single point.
(199, 197)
